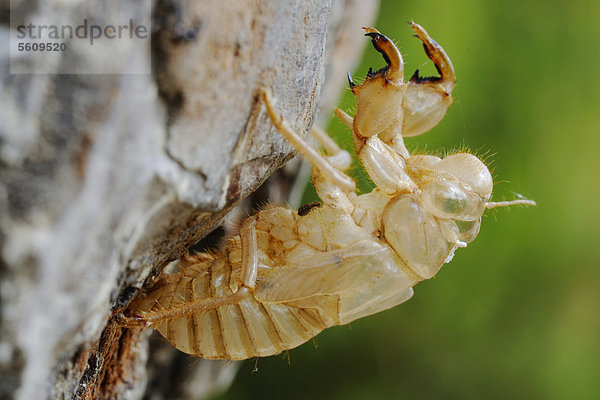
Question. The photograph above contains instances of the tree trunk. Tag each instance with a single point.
(106, 179)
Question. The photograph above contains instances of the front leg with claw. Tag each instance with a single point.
(391, 108)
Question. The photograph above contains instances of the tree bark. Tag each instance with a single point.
(106, 179)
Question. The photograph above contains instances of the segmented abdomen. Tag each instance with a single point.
(244, 330)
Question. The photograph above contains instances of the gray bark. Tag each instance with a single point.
(108, 178)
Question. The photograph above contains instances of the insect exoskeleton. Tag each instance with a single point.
(288, 275)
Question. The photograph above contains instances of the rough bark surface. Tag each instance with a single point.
(108, 178)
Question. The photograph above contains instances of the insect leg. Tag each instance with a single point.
(328, 191)
(331, 173)
(385, 166)
(424, 99)
(394, 72)
(151, 312)
(248, 273)
(345, 118)
(249, 269)
(188, 308)
(436, 53)
(338, 157)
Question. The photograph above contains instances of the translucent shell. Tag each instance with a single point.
(468, 230)
(288, 275)
(452, 200)
(408, 108)
(423, 106)
(388, 106)
(415, 235)
(470, 170)
(423, 161)
(379, 105)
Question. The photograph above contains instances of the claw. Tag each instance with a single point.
(350, 81)
(415, 77)
(439, 57)
(395, 65)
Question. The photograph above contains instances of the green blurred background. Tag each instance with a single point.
(517, 314)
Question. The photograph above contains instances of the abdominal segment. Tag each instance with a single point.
(246, 329)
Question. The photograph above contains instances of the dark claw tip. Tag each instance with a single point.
(371, 73)
(415, 77)
(350, 82)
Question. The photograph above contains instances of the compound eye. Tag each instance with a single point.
(468, 230)
(470, 170)
(452, 200)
